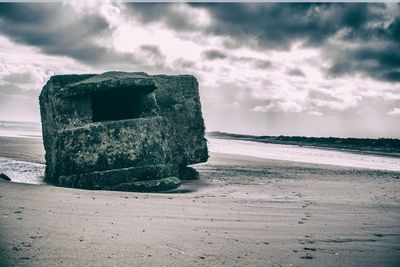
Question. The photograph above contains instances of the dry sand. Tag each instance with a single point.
(242, 212)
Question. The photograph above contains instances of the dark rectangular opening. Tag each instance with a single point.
(116, 105)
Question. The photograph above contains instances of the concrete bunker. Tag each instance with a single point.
(121, 131)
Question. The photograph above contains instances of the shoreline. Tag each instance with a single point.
(353, 150)
(22, 148)
(30, 149)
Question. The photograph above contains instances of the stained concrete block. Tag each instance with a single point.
(116, 130)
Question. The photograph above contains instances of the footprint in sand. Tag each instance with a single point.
(379, 235)
(307, 257)
(307, 215)
(308, 249)
(305, 205)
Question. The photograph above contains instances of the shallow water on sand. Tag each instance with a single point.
(303, 154)
(22, 171)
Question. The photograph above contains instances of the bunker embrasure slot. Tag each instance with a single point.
(117, 104)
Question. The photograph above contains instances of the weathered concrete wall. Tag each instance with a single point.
(167, 135)
(178, 100)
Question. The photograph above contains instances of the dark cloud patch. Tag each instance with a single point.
(263, 64)
(169, 13)
(296, 72)
(382, 55)
(154, 51)
(184, 63)
(257, 63)
(371, 49)
(20, 77)
(16, 91)
(150, 12)
(392, 76)
(58, 29)
(379, 60)
(278, 25)
(394, 29)
(213, 54)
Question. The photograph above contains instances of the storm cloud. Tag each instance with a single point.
(213, 54)
(350, 25)
(58, 29)
(358, 37)
(263, 68)
(278, 25)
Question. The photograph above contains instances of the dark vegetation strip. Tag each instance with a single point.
(388, 146)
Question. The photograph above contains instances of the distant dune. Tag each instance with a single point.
(385, 146)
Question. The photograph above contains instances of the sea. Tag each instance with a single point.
(32, 172)
(20, 129)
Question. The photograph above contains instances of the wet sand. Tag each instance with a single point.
(243, 211)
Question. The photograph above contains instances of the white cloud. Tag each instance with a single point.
(395, 112)
(315, 113)
(280, 106)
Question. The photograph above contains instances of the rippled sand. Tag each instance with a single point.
(244, 211)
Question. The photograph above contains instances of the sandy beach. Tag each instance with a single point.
(243, 211)
(245, 133)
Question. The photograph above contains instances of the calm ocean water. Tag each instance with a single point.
(29, 172)
(20, 129)
(21, 171)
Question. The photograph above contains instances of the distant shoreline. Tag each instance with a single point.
(382, 146)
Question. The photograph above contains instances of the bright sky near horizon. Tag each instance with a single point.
(328, 69)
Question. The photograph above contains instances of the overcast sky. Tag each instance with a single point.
(275, 69)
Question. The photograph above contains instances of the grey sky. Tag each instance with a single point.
(328, 69)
